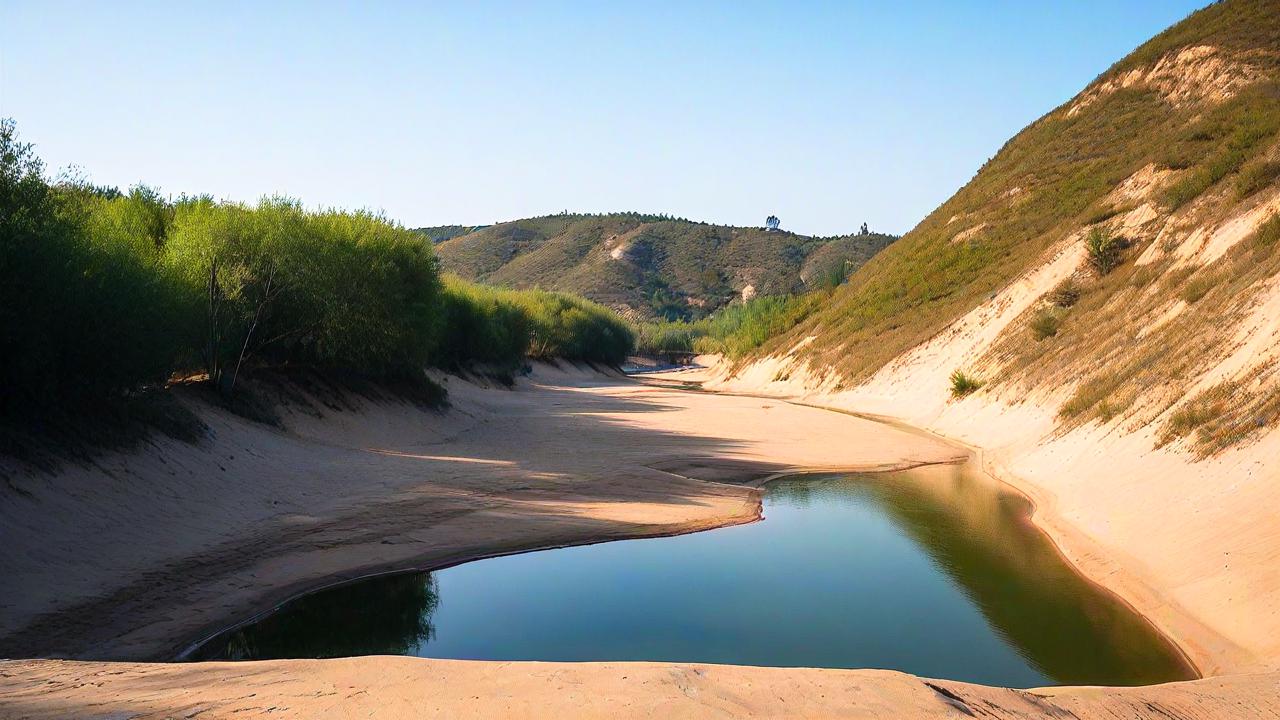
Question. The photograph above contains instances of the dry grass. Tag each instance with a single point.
(1045, 323)
(1226, 414)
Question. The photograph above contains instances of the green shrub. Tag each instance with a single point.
(347, 291)
(962, 384)
(1045, 323)
(667, 337)
(501, 327)
(1103, 249)
(739, 329)
(570, 327)
(84, 315)
(480, 324)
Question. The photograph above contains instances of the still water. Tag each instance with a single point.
(931, 571)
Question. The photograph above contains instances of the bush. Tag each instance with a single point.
(347, 291)
(1045, 323)
(503, 327)
(1103, 249)
(962, 384)
(667, 337)
(739, 329)
(570, 327)
(84, 315)
(480, 324)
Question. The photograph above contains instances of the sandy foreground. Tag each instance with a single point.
(134, 557)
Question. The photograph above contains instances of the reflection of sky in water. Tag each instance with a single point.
(927, 571)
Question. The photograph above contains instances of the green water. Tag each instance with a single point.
(931, 571)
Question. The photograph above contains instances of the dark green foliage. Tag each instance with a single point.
(501, 327)
(348, 291)
(570, 327)
(105, 294)
(85, 313)
(667, 337)
(480, 325)
(733, 331)
(739, 329)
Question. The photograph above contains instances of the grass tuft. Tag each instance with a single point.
(963, 384)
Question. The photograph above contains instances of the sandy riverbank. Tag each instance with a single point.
(132, 558)
(397, 688)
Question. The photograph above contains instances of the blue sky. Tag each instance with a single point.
(825, 114)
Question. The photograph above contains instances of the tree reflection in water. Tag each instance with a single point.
(391, 616)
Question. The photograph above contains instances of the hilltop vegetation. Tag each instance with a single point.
(652, 266)
(1155, 177)
(107, 294)
(440, 233)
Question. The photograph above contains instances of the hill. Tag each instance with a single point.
(650, 266)
(1143, 211)
(1098, 310)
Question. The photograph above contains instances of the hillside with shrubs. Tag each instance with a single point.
(653, 267)
(1116, 260)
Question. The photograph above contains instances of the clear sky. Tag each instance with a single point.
(825, 114)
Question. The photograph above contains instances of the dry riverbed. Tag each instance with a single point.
(135, 556)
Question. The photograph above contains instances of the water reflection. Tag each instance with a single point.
(934, 571)
(384, 616)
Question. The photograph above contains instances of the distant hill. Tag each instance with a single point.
(652, 266)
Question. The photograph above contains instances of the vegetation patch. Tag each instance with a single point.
(734, 331)
(1065, 294)
(963, 384)
(1198, 287)
(108, 295)
(1255, 177)
(1225, 414)
(1267, 234)
(655, 267)
(1045, 323)
(1104, 250)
